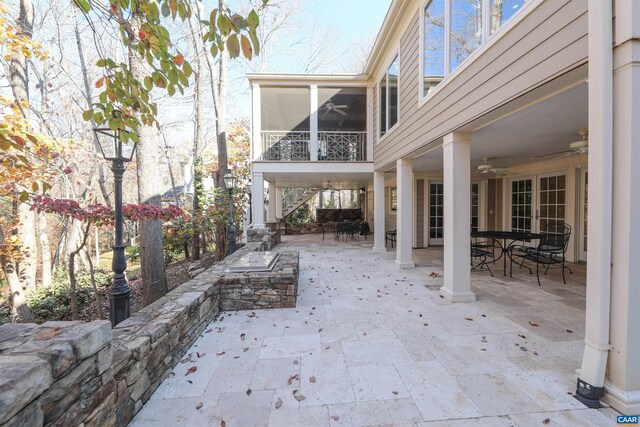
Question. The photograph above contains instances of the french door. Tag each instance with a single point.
(583, 214)
(436, 213)
(536, 201)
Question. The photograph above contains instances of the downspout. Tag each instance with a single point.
(590, 387)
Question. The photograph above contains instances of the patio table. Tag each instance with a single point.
(505, 240)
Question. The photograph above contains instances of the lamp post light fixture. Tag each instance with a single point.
(230, 183)
(117, 152)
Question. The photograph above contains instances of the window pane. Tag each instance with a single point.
(383, 105)
(466, 30)
(393, 92)
(502, 10)
(433, 66)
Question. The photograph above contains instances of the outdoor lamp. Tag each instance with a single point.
(230, 183)
(117, 152)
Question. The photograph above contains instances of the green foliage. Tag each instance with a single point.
(125, 102)
(54, 302)
(302, 215)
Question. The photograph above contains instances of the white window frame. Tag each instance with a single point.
(487, 41)
(385, 74)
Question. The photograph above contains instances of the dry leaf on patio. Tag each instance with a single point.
(191, 370)
(299, 397)
(335, 417)
(295, 362)
(199, 405)
(291, 378)
(469, 319)
(244, 350)
(223, 423)
(533, 324)
(249, 392)
(546, 421)
(434, 274)
(522, 336)
(200, 355)
(535, 353)
(570, 331)
(278, 403)
(523, 348)
(312, 379)
(220, 354)
(243, 336)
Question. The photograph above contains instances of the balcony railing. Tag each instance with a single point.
(340, 146)
(285, 146)
(334, 146)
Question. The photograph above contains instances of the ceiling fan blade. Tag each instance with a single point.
(550, 154)
(567, 154)
(341, 106)
(340, 112)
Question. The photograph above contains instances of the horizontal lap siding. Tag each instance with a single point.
(551, 40)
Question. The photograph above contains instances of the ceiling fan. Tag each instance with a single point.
(486, 168)
(330, 106)
(575, 148)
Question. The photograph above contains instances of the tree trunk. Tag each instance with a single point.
(28, 264)
(45, 250)
(149, 192)
(18, 300)
(87, 96)
(198, 135)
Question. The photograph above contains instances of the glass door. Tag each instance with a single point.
(522, 204)
(584, 200)
(436, 213)
(552, 199)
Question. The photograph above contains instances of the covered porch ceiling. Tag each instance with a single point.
(544, 127)
(334, 180)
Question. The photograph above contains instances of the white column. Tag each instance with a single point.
(378, 212)
(370, 113)
(596, 351)
(313, 123)
(271, 208)
(623, 370)
(256, 123)
(456, 149)
(257, 200)
(278, 202)
(404, 168)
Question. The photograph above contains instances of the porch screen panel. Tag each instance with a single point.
(466, 30)
(285, 118)
(342, 123)
(434, 55)
(552, 199)
(521, 209)
(501, 10)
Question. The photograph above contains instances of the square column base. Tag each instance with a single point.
(403, 265)
(458, 296)
(381, 250)
(627, 402)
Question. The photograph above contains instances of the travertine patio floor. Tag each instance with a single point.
(369, 344)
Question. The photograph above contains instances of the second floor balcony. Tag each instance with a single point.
(330, 146)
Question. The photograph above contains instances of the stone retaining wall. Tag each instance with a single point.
(73, 373)
(265, 236)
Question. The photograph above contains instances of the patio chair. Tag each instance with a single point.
(481, 255)
(390, 236)
(551, 250)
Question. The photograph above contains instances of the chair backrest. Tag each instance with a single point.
(555, 237)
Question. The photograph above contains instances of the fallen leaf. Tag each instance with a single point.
(533, 324)
(190, 382)
(243, 336)
(244, 350)
(208, 330)
(48, 333)
(200, 355)
(220, 354)
(364, 333)
(395, 392)
(199, 405)
(546, 421)
(295, 362)
(249, 392)
(223, 423)
(483, 315)
(523, 348)
(278, 403)
(335, 417)
(469, 319)
(191, 370)
(522, 336)
(299, 397)
(312, 379)
(535, 353)
(292, 378)
(425, 324)
(570, 331)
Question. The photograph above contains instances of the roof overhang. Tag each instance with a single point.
(293, 78)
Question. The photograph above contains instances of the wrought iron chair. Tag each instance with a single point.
(390, 236)
(551, 250)
(481, 255)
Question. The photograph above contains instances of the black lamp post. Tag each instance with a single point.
(117, 152)
(230, 183)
